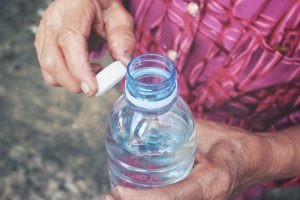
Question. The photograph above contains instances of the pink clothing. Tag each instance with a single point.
(238, 61)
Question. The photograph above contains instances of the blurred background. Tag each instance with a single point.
(51, 141)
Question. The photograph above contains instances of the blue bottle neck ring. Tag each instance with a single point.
(151, 82)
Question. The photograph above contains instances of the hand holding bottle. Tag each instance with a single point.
(227, 161)
(222, 160)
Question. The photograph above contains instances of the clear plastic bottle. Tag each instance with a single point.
(150, 138)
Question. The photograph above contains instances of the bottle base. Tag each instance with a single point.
(149, 180)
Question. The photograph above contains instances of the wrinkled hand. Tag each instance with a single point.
(227, 161)
(63, 35)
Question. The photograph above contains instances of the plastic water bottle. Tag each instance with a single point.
(150, 138)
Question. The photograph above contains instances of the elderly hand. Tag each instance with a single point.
(227, 160)
(62, 40)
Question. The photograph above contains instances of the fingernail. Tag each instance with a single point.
(127, 57)
(85, 88)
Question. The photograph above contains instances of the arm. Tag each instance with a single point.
(283, 155)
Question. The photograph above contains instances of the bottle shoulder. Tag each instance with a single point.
(123, 108)
(168, 130)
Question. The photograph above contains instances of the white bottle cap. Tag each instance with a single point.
(110, 76)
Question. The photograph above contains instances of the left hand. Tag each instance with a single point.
(227, 160)
(70, 29)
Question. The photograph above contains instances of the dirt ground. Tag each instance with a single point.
(51, 141)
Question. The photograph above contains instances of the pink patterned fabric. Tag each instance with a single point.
(238, 60)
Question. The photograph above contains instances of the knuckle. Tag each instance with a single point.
(50, 26)
(47, 60)
(51, 33)
(93, 90)
(50, 82)
(227, 178)
(131, 24)
(66, 34)
(129, 19)
(226, 183)
(74, 89)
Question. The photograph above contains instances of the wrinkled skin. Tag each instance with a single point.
(227, 161)
(63, 36)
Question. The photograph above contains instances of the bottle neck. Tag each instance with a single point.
(151, 82)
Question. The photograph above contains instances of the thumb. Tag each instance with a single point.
(119, 32)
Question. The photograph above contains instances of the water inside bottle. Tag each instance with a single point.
(152, 151)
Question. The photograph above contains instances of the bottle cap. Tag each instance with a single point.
(110, 76)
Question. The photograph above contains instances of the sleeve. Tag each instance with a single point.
(284, 183)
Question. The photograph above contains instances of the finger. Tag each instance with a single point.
(186, 189)
(119, 32)
(73, 41)
(99, 26)
(49, 79)
(53, 63)
(205, 181)
(164, 193)
(97, 67)
(39, 37)
(51, 18)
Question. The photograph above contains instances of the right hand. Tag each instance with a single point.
(228, 160)
(62, 40)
